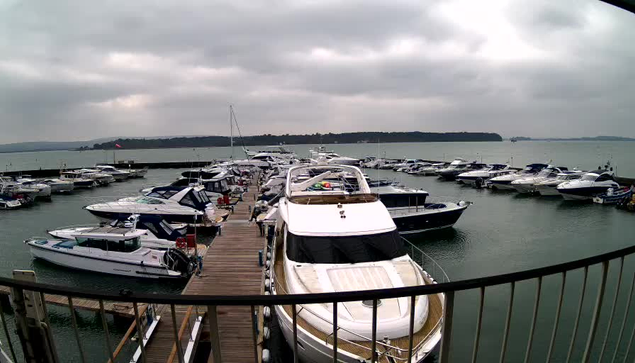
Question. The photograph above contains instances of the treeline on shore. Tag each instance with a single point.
(330, 138)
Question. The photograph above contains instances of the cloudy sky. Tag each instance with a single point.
(77, 70)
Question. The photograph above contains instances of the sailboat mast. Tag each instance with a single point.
(231, 128)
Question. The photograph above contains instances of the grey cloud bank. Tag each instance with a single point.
(83, 70)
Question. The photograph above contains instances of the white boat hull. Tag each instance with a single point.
(548, 190)
(76, 261)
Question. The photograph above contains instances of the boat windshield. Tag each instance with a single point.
(146, 200)
(347, 249)
(127, 245)
(589, 177)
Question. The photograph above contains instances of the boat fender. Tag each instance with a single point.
(266, 333)
(260, 259)
(267, 293)
(266, 311)
(267, 284)
(268, 255)
(266, 355)
(267, 263)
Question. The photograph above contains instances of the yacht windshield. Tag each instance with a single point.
(349, 249)
(145, 200)
(590, 177)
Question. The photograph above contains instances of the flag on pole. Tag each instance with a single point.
(118, 146)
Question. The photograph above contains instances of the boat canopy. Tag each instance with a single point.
(347, 249)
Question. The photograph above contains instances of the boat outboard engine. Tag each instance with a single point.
(177, 260)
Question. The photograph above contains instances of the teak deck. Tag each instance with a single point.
(230, 267)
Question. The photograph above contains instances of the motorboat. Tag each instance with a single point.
(214, 181)
(479, 178)
(176, 205)
(588, 186)
(59, 186)
(548, 186)
(407, 163)
(527, 184)
(330, 157)
(159, 234)
(7, 202)
(456, 167)
(504, 182)
(101, 179)
(113, 251)
(415, 168)
(12, 189)
(413, 212)
(278, 150)
(613, 196)
(355, 246)
(119, 175)
(431, 170)
(43, 190)
(137, 173)
(78, 179)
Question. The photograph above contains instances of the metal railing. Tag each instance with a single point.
(603, 326)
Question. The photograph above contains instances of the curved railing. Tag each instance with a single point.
(449, 289)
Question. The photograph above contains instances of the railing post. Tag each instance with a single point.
(140, 333)
(177, 340)
(627, 310)
(533, 320)
(446, 336)
(596, 313)
(374, 332)
(254, 330)
(335, 332)
(294, 314)
(508, 321)
(479, 321)
(212, 314)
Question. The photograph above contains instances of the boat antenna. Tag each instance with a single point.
(231, 132)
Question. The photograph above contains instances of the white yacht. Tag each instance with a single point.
(175, 204)
(158, 235)
(479, 178)
(119, 175)
(101, 179)
(7, 202)
(330, 157)
(527, 184)
(504, 182)
(588, 186)
(355, 246)
(112, 251)
(79, 180)
(431, 170)
(406, 164)
(43, 190)
(548, 187)
(58, 185)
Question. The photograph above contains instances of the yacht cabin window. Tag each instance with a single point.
(128, 245)
(144, 200)
(347, 249)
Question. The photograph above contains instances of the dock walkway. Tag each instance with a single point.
(230, 267)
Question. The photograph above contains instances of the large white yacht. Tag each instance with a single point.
(119, 175)
(590, 185)
(332, 239)
(548, 187)
(479, 178)
(527, 184)
(175, 204)
(322, 155)
(504, 182)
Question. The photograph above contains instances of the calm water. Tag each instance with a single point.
(501, 232)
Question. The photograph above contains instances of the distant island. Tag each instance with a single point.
(269, 139)
(595, 138)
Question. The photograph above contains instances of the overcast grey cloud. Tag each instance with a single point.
(72, 70)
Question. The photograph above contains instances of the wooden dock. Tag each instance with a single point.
(119, 309)
(230, 267)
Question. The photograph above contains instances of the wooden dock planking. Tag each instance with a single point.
(230, 267)
(114, 308)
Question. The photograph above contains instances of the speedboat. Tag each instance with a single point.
(113, 251)
(406, 164)
(7, 202)
(9, 187)
(101, 179)
(548, 186)
(479, 178)
(505, 181)
(415, 168)
(591, 184)
(159, 234)
(412, 211)
(613, 196)
(137, 173)
(456, 167)
(432, 169)
(43, 190)
(355, 246)
(119, 175)
(528, 184)
(59, 185)
(176, 205)
(79, 180)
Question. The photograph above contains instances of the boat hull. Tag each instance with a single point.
(548, 190)
(76, 261)
(411, 221)
(582, 193)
